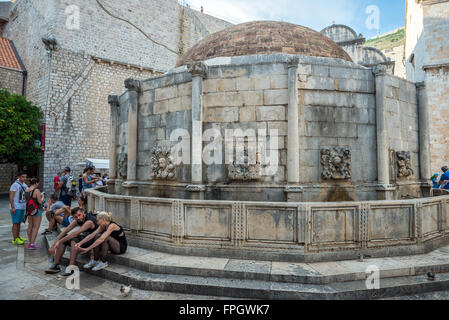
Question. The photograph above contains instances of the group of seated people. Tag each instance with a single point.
(97, 233)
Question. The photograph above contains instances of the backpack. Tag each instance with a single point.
(31, 207)
(70, 186)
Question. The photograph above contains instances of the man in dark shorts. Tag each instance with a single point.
(87, 224)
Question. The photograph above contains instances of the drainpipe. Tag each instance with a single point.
(24, 84)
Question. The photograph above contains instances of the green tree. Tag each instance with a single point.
(19, 129)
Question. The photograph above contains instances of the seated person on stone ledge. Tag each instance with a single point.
(444, 179)
(56, 212)
(108, 237)
(87, 224)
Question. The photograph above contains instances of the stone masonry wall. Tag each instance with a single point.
(11, 80)
(339, 111)
(162, 111)
(435, 37)
(28, 23)
(437, 88)
(402, 123)
(7, 176)
(78, 115)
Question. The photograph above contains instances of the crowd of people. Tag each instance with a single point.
(82, 231)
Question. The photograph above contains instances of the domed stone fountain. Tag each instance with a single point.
(267, 142)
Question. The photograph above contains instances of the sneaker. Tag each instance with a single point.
(30, 246)
(17, 241)
(23, 239)
(100, 265)
(91, 264)
(54, 268)
(66, 274)
(35, 246)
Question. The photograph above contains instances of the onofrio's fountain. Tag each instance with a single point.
(268, 142)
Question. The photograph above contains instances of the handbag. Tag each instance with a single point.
(31, 207)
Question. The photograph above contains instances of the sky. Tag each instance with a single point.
(368, 17)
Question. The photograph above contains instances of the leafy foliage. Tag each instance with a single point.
(19, 129)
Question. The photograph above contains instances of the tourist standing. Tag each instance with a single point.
(56, 181)
(65, 187)
(34, 222)
(17, 206)
(444, 179)
(88, 181)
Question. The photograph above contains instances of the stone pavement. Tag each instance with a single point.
(22, 276)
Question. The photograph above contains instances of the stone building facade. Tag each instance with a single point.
(427, 62)
(89, 49)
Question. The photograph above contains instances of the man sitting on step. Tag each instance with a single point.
(87, 224)
(57, 212)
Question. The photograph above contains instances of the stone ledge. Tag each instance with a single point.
(282, 283)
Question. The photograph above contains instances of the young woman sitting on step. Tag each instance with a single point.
(108, 237)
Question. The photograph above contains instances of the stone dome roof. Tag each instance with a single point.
(264, 37)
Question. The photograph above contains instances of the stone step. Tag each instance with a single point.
(123, 271)
(258, 289)
(304, 273)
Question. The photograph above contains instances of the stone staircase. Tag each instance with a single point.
(158, 271)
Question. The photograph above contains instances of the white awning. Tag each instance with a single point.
(98, 163)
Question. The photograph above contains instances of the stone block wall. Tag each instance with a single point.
(77, 118)
(437, 89)
(402, 124)
(339, 110)
(436, 32)
(165, 105)
(8, 172)
(435, 41)
(11, 80)
(28, 23)
(248, 98)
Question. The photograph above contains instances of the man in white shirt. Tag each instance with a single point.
(17, 206)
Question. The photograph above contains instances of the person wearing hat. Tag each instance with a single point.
(444, 179)
(64, 196)
(434, 179)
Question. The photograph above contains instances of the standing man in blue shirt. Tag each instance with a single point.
(444, 179)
